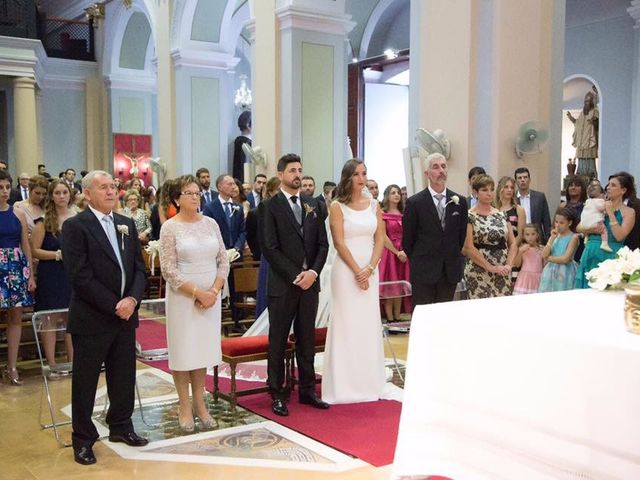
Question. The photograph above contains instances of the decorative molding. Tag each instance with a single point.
(634, 11)
(138, 82)
(22, 57)
(95, 11)
(292, 17)
(59, 73)
(251, 30)
(203, 59)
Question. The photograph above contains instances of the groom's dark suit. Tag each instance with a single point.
(436, 261)
(289, 247)
(99, 335)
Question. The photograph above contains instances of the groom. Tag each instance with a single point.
(293, 239)
(103, 261)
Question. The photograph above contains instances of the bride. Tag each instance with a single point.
(353, 369)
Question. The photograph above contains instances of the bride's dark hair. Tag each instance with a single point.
(345, 186)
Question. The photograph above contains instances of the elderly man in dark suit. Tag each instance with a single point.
(434, 227)
(230, 218)
(294, 241)
(534, 203)
(102, 258)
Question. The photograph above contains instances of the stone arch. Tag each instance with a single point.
(380, 12)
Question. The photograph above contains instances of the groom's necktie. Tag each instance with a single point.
(113, 240)
(297, 210)
(440, 207)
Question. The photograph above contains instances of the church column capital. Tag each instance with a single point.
(302, 18)
(634, 11)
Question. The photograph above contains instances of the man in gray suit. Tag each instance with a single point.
(534, 203)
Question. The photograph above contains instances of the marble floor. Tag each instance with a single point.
(245, 446)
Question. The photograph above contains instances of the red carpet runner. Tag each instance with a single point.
(367, 431)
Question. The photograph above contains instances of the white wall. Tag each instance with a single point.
(386, 130)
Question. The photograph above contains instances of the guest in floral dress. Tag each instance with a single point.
(490, 246)
(16, 280)
(393, 264)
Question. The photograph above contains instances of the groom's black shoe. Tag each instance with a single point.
(132, 439)
(314, 401)
(279, 407)
(84, 456)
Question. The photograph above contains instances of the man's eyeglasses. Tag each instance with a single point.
(192, 194)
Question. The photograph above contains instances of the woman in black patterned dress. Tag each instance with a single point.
(490, 246)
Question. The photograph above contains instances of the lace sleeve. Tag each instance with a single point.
(222, 260)
(169, 256)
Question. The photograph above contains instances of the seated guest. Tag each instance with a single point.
(132, 200)
(490, 246)
(619, 221)
(54, 289)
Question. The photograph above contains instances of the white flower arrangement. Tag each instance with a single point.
(234, 209)
(616, 272)
(123, 230)
(153, 249)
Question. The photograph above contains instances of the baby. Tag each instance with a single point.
(593, 213)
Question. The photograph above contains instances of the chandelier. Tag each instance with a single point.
(243, 99)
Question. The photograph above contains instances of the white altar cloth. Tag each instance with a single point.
(530, 387)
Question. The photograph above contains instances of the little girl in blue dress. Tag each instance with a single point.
(560, 271)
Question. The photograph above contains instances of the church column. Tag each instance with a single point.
(26, 125)
(634, 154)
(265, 114)
(166, 88)
(442, 69)
(308, 88)
(98, 155)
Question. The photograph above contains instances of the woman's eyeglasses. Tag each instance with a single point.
(192, 194)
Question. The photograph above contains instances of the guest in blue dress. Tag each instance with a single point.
(54, 289)
(271, 188)
(619, 221)
(16, 281)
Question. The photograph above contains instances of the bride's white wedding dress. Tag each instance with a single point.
(353, 368)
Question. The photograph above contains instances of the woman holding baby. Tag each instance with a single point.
(619, 220)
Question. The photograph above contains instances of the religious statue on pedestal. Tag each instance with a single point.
(585, 135)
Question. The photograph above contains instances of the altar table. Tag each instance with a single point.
(529, 387)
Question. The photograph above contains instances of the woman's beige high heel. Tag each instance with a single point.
(11, 377)
(208, 422)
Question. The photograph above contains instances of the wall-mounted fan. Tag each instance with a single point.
(433, 142)
(255, 154)
(160, 167)
(531, 138)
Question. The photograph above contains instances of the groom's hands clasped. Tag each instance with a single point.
(305, 279)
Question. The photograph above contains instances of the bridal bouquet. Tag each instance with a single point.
(616, 272)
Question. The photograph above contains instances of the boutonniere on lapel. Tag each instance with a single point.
(455, 199)
(123, 230)
(309, 209)
(234, 209)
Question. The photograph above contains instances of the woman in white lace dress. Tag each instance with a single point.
(195, 265)
(353, 368)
